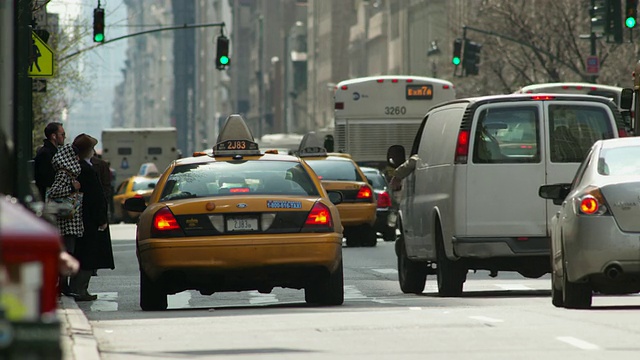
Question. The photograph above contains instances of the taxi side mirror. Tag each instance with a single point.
(135, 204)
(396, 156)
(335, 197)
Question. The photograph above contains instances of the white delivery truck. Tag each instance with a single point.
(127, 149)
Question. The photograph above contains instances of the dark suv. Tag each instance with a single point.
(386, 204)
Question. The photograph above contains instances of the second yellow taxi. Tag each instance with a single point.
(238, 219)
(338, 172)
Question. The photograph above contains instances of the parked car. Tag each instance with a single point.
(387, 206)
(594, 235)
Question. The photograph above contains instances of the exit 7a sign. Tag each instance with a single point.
(40, 58)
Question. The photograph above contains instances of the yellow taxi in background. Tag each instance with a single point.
(238, 219)
(135, 186)
(338, 172)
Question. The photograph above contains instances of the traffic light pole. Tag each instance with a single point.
(168, 28)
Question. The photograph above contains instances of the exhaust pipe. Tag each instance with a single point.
(613, 271)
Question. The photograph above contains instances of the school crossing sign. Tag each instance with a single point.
(40, 58)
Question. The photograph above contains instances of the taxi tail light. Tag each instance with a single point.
(319, 219)
(462, 147)
(591, 203)
(384, 200)
(364, 192)
(165, 224)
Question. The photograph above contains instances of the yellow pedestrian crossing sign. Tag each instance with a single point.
(40, 58)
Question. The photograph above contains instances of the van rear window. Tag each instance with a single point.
(507, 135)
(574, 129)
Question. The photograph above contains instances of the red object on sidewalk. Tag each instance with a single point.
(26, 238)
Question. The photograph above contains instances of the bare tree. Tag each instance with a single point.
(537, 41)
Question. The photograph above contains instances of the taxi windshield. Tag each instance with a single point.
(335, 170)
(233, 178)
(144, 184)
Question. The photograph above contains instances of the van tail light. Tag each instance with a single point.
(622, 132)
(319, 219)
(165, 224)
(462, 147)
(384, 200)
(364, 193)
(591, 203)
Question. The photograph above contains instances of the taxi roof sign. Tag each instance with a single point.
(235, 138)
(311, 146)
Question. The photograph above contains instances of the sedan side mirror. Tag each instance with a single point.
(135, 204)
(555, 192)
(335, 197)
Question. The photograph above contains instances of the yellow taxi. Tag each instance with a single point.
(338, 172)
(135, 186)
(237, 219)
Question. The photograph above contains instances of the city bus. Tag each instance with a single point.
(623, 97)
(373, 113)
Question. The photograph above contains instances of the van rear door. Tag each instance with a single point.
(572, 127)
(505, 169)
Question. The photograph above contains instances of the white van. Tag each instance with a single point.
(472, 201)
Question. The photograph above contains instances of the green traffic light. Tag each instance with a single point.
(98, 37)
(224, 60)
(455, 61)
(630, 22)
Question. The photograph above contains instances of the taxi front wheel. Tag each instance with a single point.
(152, 298)
(327, 291)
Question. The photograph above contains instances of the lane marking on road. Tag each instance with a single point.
(514, 287)
(415, 308)
(107, 301)
(179, 300)
(580, 344)
(258, 298)
(386, 271)
(351, 292)
(486, 319)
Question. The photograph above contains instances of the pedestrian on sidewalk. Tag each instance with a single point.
(93, 249)
(43, 172)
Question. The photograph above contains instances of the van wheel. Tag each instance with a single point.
(412, 275)
(389, 234)
(152, 298)
(556, 294)
(575, 295)
(327, 291)
(451, 274)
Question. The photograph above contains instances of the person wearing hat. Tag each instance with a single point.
(93, 250)
(67, 168)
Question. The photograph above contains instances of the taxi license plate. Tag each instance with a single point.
(242, 224)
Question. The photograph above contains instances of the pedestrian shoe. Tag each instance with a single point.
(85, 297)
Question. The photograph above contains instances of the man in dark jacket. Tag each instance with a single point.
(43, 170)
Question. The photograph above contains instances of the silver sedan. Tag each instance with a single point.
(595, 236)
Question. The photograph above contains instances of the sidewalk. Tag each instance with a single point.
(77, 340)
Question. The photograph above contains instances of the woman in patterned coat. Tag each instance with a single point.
(66, 164)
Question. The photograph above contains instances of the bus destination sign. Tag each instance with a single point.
(419, 92)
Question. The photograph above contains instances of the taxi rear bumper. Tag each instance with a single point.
(239, 262)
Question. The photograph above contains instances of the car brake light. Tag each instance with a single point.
(592, 202)
(543, 97)
(164, 223)
(622, 133)
(384, 200)
(319, 218)
(462, 147)
(364, 193)
(240, 190)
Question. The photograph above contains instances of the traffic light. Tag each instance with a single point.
(631, 13)
(222, 52)
(457, 52)
(98, 25)
(471, 57)
(599, 12)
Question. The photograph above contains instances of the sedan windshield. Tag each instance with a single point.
(335, 170)
(238, 178)
(619, 161)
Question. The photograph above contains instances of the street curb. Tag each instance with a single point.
(78, 342)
